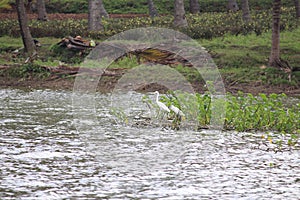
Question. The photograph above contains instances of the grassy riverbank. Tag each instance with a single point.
(241, 60)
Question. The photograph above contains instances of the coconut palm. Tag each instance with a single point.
(297, 6)
(152, 9)
(246, 11)
(95, 14)
(275, 52)
(194, 6)
(179, 14)
(41, 10)
(232, 5)
(28, 42)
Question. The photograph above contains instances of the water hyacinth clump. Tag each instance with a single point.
(262, 112)
(246, 112)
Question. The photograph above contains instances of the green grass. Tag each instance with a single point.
(240, 59)
(244, 57)
(10, 44)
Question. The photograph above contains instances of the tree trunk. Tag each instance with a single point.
(152, 10)
(232, 5)
(96, 12)
(179, 14)
(29, 45)
(297, 6)
(275, 51)
(28, 6)
(103, 12)
(194, 6)
(41, 10)
(246, 11)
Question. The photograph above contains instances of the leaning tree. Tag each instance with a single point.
(29, 46)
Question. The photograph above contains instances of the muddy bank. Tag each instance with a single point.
(63, 78)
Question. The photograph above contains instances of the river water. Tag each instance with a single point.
(44, 156)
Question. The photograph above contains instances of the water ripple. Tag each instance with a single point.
(42, 156)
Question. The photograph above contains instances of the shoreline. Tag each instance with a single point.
(63, 81)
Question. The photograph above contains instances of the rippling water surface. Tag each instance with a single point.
(43, 156)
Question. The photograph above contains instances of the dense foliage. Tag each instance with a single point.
(163, 6)
(206, 25)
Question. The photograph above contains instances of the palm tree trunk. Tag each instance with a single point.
(29, 45)
(103, 12)
(275, 50)
(152, 10)
(297, 6)
(179, 14)
(41, 10)
(94, 16)
(232, 5)
(246, 11)
(194, 6)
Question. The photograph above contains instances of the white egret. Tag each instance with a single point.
(160, 104)
(177, 111)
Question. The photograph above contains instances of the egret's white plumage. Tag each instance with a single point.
(176, 110)
(161, 105)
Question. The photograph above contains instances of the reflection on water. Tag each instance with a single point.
(42, 156)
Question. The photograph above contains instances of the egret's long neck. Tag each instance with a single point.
(157, 97)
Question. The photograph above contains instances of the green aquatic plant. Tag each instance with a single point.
(274, 114)
(246, 112)
(120, 115)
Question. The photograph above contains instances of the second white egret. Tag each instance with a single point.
(176, 110)
(160, 104)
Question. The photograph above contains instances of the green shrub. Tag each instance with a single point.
(206, 25)
(141, 7)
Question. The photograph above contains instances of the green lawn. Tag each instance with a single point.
(244, 57)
